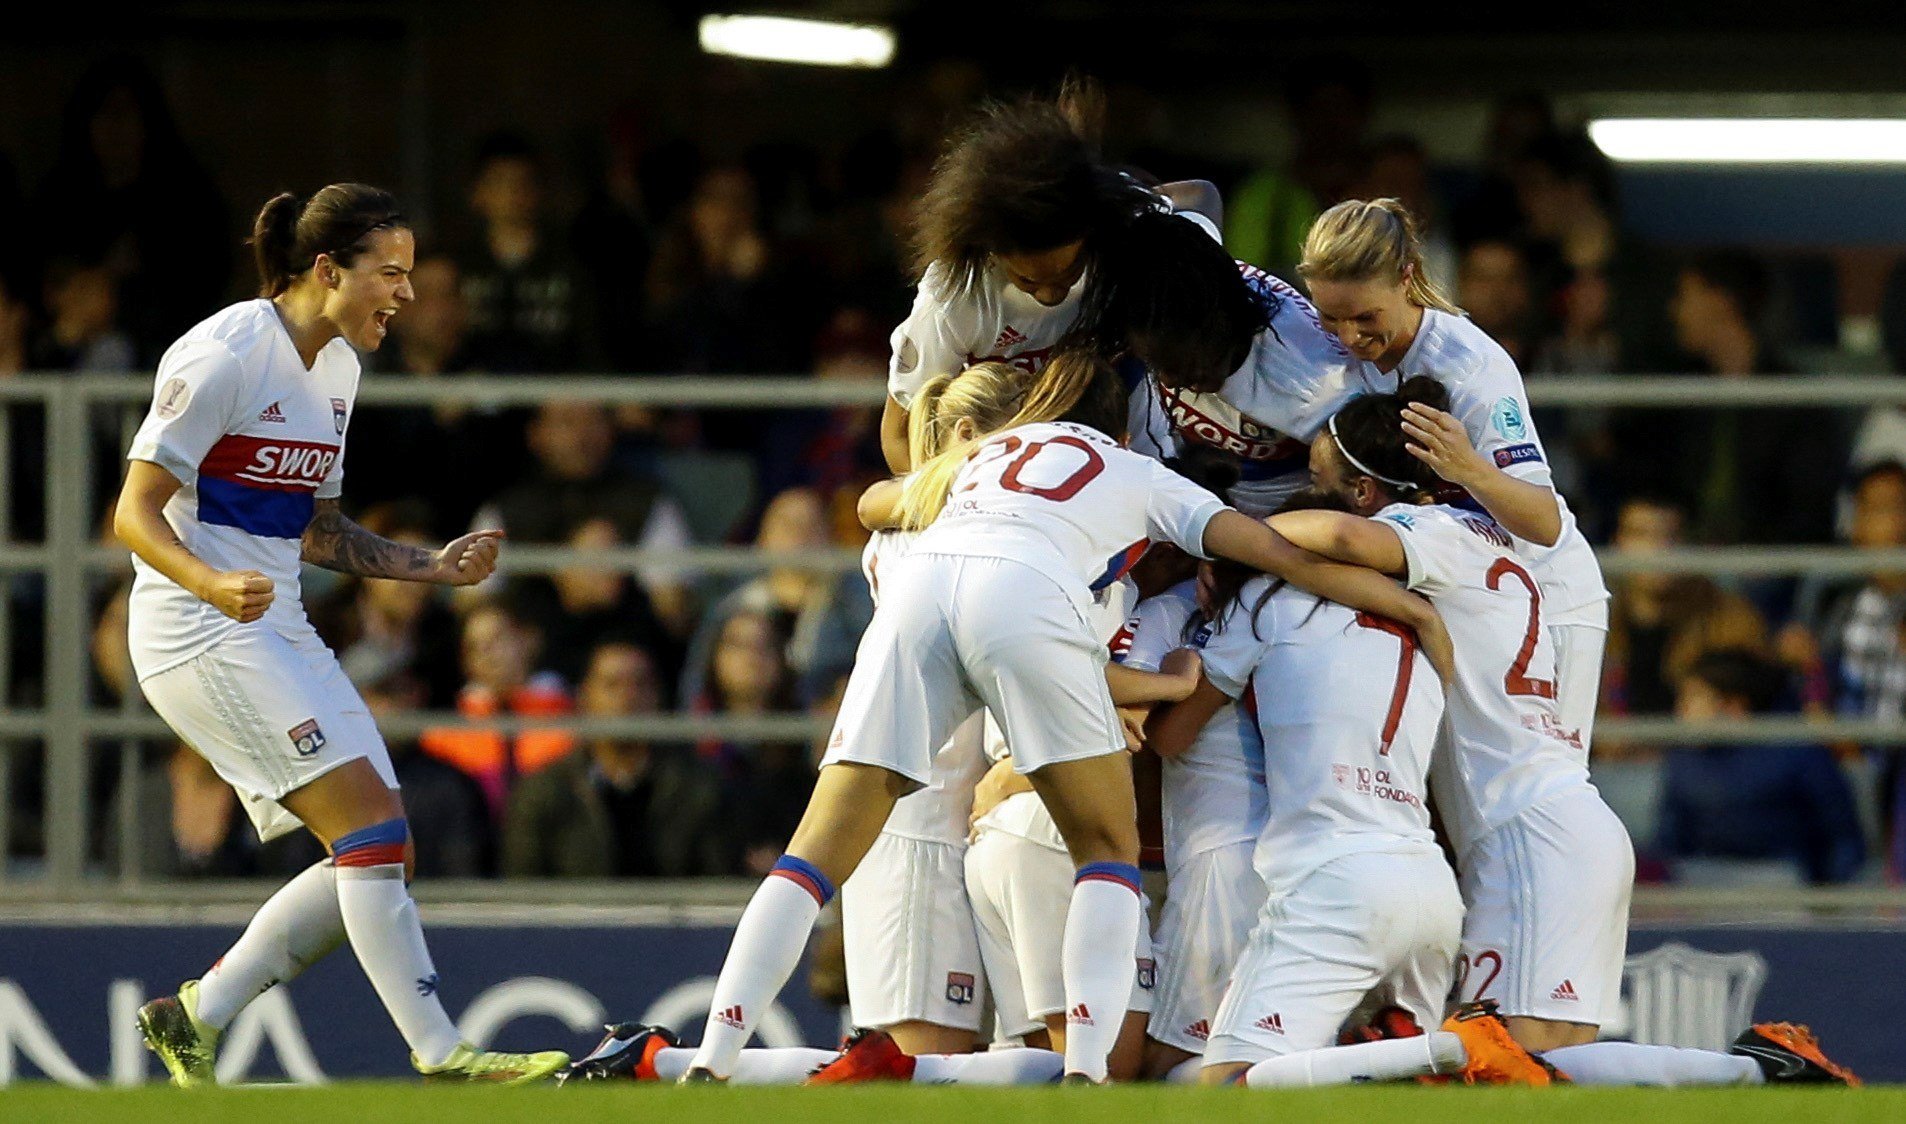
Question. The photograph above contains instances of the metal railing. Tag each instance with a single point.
(70, 560)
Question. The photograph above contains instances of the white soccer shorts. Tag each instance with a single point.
(1359, 922)
(953, 633)
(1547, 928)
(1021, 893)
(271, 712)
(912, 948)
(1210, 908)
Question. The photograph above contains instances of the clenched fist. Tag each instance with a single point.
(470, 559)
(242, 595)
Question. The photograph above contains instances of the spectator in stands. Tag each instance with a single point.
(819, 614)
(503, 676)
(1660, 624)
(1859, 623)
(835, 451)
(619, 807)
(1493, 287)
(527, 310)
(716, 303)
(426, 452)
(1759, 476)
(82, 331)
(1268, 214)
(1517, 124)
(1399, 168)
(125, 191)
(767, 782)
(1882, 433)
(1747, 804)
(576, 610)
(614, 238)
(575, 480)
(382, 629)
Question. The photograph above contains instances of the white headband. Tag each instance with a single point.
(1364, 468)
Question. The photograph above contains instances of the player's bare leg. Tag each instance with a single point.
(1540, 1035)
(919, 1037)
(844, 816)
(1161, 1060)
(1093, 804)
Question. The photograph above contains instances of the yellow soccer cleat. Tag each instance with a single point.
(467, 1063)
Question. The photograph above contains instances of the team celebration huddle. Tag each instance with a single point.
(1181, 566)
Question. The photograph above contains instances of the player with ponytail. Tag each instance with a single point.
(1363, 263)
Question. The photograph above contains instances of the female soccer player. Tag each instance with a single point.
(1546, 868)
(989, 609)
(1018, 208)
(233, 482)
(1363, 262)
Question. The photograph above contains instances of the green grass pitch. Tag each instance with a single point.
(371, 1103)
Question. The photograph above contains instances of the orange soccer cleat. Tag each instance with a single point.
(1789, 1053)
(1494, 1058)
(870, 1055)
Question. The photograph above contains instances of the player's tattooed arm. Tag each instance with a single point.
(333, 541)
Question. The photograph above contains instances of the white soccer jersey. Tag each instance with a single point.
(938, 812)
(1213, 793)
(1070, 502)
(1296, 376)
(951, 329)
(1487, 396)
(1348, 709)
(1507, 750)
(256, 439)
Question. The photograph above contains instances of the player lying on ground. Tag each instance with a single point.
(1546, 867)
(988, 610)
(233, 482)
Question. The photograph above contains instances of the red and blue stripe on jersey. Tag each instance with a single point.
(1121, 563)
(263, 486)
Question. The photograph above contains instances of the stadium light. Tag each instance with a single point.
(781, 39)
(1761, 140)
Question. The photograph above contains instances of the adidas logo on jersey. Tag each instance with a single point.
(1272, 1022)
(1201, 1030)
(1008, 337)
(272, 414)
(732, 1017)
(1566, 991)
(1080, 1015)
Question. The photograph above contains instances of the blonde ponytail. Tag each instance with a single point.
(989, 395)
(1371, 240)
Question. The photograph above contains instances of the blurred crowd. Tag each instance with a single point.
(788, 261)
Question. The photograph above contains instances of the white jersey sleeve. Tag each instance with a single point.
(1177, 510)
(1436, 561)
(1234, 649)
(1156, 628)
(199, 396)
(934, 339)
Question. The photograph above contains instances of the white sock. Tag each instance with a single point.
(295, 928)
(388, 937)
(1185, 1072)
(788, 1065)
(1096, 961)
(1632, 1063)
(768, 943)
(995, 1067)
(1439, 1051)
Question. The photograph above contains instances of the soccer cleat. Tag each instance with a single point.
(172, 1030)
(467, 1063)
(1789, 1054)
(870, 1055)
(626, 1053)
(701, 1075)
(1492, 1056)
(1387, 1023)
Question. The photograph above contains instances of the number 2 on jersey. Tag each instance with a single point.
(1518, 681)
(1405, 668)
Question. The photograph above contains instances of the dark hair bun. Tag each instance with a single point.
(1424, 389)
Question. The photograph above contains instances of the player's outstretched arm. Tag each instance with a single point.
(1526, 509)
(139, 521)
(879, 506)
(1132, 687)
(336, 543)
(893, 437)
(1243, 539)
(1171, 729)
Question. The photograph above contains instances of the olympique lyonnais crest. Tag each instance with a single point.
(1679, 995)
(306, 737)
(338, 413)
(960, 987)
